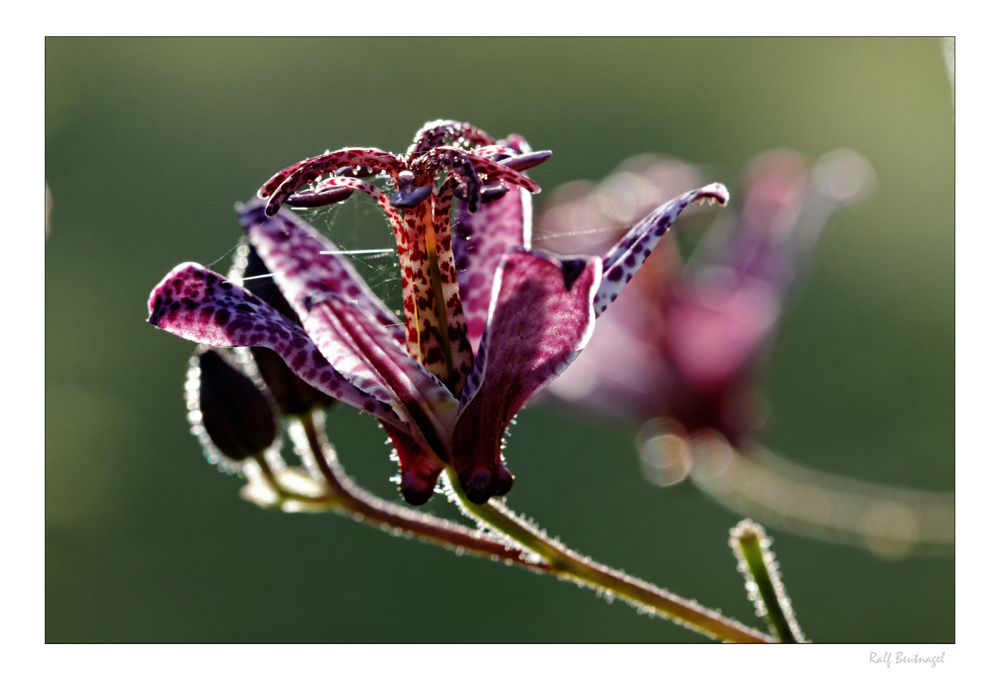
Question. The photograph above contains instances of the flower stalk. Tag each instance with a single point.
(522, 544)
(488, 322)
(340, 494)
(566, 563)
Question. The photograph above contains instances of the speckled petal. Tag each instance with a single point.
(306, 264)
(480, 240)
(625, 258)
(348, 335)
(199, 305)
(541, 316)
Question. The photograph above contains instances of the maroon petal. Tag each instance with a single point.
(419, 468)
(348, 335)
(480, 240)
(622, 261)
(540, 318)
(199, 305)
(305, 264)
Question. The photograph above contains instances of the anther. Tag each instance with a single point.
(525, 161)
(317, 199)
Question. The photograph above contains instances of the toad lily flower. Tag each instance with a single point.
(686, 340)
(488, 321)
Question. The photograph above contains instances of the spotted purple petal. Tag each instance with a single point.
(305, 264)
(540, 317)
(480, 239)
(199, 305)
(625, 258)
(444, 156)
(351, 337)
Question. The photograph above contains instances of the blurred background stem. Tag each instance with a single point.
(763, 581)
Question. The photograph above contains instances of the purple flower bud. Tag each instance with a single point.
(257, 278)
(236, 415)
(294, 396)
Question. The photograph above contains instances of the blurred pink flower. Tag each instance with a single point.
(687, 340)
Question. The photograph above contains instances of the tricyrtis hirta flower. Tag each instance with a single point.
(488, 321)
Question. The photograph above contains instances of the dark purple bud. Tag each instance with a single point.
(317, 199)
(493, 192)
(258, 280)
(407, 198)
(236, 415)
(525, 161)
(294, 396)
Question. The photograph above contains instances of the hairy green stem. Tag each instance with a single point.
(567, 563)
(751, 546)
(345, 497)
(528, 546)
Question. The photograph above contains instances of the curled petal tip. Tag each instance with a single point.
(486, 481)
(478, 486)
(717, 192)
(153, 304)
(415, 489)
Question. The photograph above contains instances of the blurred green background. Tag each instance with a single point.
(149, 142)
